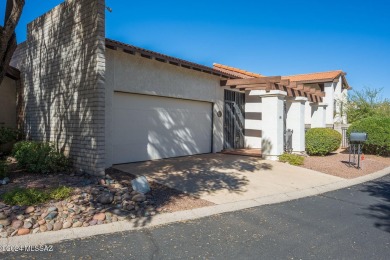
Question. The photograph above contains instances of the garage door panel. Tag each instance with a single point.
(149, 127)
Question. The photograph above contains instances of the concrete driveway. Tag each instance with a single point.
(222, 178)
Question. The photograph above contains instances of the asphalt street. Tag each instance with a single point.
(352, 223)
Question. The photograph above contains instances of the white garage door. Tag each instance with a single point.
(152, 127)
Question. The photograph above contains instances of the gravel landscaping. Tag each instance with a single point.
(337, 164)
(94, 201)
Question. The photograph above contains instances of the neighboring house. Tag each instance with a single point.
(333, 83)
(335, 86)
(8, 97)
(104, 102)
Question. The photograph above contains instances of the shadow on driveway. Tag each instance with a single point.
(379, 211)
(200, 174)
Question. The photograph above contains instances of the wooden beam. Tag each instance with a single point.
(249, 86)
(250, 81)
(315, 81)
(283, 82)
(320, 93)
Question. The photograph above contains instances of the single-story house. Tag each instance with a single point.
(104, 102)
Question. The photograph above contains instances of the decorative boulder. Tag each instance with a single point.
(140, 185)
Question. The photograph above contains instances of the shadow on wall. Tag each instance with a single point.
(266, 146)
(60, 82)
(380, 211)
(164, 128)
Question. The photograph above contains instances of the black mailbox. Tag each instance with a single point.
(358, 137)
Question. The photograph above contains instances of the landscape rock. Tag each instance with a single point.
(93, 222)
(23, 231)
(27, 225)
(29, 210)
(57, 226)
(77, 224)
(43, 228)
(2, 216)
(140, 184)
(49, 227)
(5, 222)
(138, 198)
(17, 224)
(51, 215)
(99, 216)
(105, 198)
(67, 224)
(51, 209)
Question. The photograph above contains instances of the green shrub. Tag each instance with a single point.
(3, 169)
(38, 157)
(61, 193)
(378, 130)
(292, 159)
(8, 135)
(322, 141)
(27, 197)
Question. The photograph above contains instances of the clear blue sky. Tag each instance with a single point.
(269, 37)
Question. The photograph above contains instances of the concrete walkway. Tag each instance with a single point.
(222, 178)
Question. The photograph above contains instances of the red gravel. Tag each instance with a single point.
(337, 164)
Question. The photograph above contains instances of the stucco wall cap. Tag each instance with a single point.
(271, 93)
(296, 99)
(319, 104)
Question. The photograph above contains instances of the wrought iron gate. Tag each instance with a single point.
(234, 120)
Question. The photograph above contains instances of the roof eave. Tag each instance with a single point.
(13, 73)
(112, 44)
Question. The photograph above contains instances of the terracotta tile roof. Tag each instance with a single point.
(236, 71)
(315, 76)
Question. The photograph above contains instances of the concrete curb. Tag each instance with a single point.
(163, 219)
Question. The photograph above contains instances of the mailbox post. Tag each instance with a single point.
(356, 141)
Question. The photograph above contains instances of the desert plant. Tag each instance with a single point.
(39, 157)
(367, 102)
(378, 130)
(30, 196)
(292, 159)
(25, 197)
(322, 141)
(61, 193)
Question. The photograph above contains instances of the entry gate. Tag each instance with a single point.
(234, 120)
(288, 133)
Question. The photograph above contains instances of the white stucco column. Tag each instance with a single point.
(296, 122)
(318, 115)
(272, 122)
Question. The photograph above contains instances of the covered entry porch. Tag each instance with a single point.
(274, 113)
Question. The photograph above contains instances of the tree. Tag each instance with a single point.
(367, 103)
(8, 44)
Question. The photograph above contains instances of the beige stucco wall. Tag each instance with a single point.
(253, 120)
(8, 103)
(135, 74)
